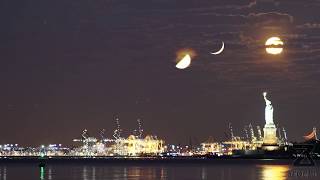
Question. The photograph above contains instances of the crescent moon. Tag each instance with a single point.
(220, 51)
(184, 62)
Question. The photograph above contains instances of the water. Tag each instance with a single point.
(92, 171)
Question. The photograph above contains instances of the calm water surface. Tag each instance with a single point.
(157, 171)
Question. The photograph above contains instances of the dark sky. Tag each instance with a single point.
(70, 65)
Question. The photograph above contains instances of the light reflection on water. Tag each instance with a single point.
(3, 173)
(274, 172)
(150, 172)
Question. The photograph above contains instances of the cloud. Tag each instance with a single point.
(270, 18)
(309, 26)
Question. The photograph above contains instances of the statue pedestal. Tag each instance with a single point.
(270, 140)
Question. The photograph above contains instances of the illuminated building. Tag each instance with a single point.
(134, 146)
(211, 147)
(252, 141)
(89, 144)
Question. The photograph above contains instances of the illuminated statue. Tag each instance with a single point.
(268, 110)
(270, 140)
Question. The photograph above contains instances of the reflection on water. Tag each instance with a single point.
(49, 173)
(156, 171)
(263, 172)
(204, 173)
(147, 173)
(274, 172)
(93, 173)
(3, 173)
(41, 172)
(137, 172)
(84, 173)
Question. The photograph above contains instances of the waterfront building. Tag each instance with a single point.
(135, 146)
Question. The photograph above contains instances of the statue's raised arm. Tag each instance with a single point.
(268, 110)
(268, 102)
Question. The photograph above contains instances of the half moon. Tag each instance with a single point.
(220, 51)
(184, 62)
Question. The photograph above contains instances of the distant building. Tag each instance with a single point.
(211, 147)
(134, 146)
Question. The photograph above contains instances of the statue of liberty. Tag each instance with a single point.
(270, 140)
(268, 110)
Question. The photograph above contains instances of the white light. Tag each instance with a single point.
(184, 63)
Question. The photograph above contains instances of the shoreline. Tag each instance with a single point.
(152, 160)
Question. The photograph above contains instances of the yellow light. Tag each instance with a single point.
(274, 45)
(184, 63)
(274, 172)
(274, 41)
(184, 58)
(274, 51)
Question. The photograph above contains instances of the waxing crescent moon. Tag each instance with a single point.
(184, 62)
(220, 51)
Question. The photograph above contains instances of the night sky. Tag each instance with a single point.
(70, 65)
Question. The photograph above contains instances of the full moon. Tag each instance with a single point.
(274, 46)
